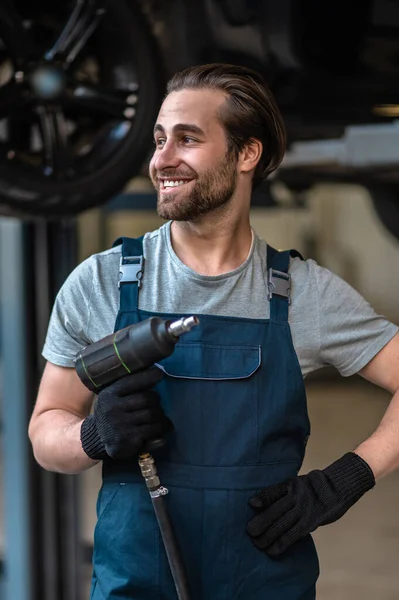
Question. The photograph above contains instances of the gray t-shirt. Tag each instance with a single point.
(331, 323)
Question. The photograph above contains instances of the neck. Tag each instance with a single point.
(213, 244)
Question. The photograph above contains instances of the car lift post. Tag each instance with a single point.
(42, 546)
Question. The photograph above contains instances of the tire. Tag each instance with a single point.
(29, 191)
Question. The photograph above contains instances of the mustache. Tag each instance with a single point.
(176, 175)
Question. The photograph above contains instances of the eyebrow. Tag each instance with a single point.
(180, 128)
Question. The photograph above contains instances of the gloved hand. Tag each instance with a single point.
(289, 511)
(127, 415)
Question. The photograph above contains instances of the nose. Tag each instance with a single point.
(167, 157)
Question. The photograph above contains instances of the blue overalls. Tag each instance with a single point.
(234, 391)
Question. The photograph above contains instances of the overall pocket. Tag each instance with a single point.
(210, 395)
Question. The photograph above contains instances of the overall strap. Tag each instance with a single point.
(279, 282)
(131, 269)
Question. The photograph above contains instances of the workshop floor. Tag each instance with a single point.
(359, 555)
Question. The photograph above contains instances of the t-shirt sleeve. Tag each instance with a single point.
(66, 333)
(351, 332)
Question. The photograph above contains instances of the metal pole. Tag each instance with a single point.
(54, 249)
(13, 295)
(42, 545)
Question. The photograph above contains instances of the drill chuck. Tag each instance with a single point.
(129, 350)
(176, 328)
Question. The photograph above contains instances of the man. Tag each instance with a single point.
(230, 401)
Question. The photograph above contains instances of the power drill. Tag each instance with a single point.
(129, 350)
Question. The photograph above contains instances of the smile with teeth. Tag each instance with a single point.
(173, 183)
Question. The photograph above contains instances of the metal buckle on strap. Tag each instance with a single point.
(131, 270)
(278, 283)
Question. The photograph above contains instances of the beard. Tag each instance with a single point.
(211, 190)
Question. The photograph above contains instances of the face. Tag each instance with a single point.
(191, 168)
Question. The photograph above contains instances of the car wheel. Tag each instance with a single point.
(80, 86)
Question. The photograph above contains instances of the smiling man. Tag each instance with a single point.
(230, 401)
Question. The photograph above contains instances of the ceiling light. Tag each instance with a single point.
(386, 110)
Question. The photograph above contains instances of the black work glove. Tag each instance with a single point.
(127, 415)
(289, 511)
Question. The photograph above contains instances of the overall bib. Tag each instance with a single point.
(234, 391)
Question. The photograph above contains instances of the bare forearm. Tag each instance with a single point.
(381, 449)
(56, 442)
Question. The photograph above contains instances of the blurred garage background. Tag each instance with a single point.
(80, 86)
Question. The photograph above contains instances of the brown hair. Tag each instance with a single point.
(250, 110)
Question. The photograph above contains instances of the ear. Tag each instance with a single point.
(250, 155)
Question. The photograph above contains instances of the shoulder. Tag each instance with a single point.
(303, 280)
(102, 269)
(98, 270)
(309, 279)
(308, 274)
(329, 290)
(98, 263)
(104, 266)
(88, 281)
